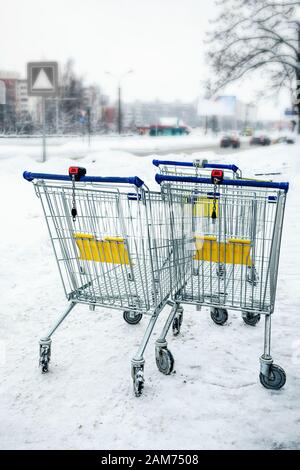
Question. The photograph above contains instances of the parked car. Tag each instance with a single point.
(230, 141)
(261, 139)
(225, 141)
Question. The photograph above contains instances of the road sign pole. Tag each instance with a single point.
(42, 80)
(44, 127)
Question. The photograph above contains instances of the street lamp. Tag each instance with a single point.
(119, 79)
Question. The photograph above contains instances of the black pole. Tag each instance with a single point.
(119, 110)
(88, 112)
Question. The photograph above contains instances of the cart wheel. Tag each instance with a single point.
(251, 318)
(219, 315)
(177, 322)
(45, 354)
(45, 367)
(276, 378)
(131, 317)
(165, 361)
(138, 383)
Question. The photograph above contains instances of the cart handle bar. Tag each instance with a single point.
(252, 183)
(233, 168)
(135, 180)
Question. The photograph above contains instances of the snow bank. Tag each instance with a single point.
(79, 147)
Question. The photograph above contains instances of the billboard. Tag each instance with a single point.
(219, 106)
(227, 105)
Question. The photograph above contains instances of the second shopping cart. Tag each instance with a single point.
(226, 236)
(202, 168)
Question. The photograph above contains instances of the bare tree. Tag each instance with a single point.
(71, 101)
(257, 34)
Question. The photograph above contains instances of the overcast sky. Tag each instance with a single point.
(161, 40)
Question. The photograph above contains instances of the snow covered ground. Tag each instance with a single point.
(214, 399)
(76, 147)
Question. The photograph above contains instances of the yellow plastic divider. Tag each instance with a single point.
(234, 251)
(109, 250)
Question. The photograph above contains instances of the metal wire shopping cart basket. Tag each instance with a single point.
(112, 249)
(239, 232)
(198, 168)
(202, 207)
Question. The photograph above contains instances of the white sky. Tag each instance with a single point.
(161, 40)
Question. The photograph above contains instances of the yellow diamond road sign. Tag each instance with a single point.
(42, 78)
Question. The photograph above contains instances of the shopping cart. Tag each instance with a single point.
(201, 168)
(198, 168)
(112, 248)
(241, 230)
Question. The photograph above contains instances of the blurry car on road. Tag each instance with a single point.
(260, 139)
(230, 141)
(225, 141)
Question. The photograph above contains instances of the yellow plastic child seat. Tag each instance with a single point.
(108, 250)
(234, 251)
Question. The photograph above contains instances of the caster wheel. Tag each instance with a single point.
(45, 367)
(131, 317)
(276, 378)
(219, 315)
(164, 361)
(251, 318)
(177, 322)
(138, 383)
(45, 354)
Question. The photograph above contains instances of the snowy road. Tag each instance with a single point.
(214, 399)
(215, 148)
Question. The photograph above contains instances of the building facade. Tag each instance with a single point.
(140, 114)
(226, 112)
(22, 113)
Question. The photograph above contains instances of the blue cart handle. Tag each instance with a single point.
(135, 180)
(220, 166)
(249, 183)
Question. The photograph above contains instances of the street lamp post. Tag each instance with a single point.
(119, 81)
(119, 109)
